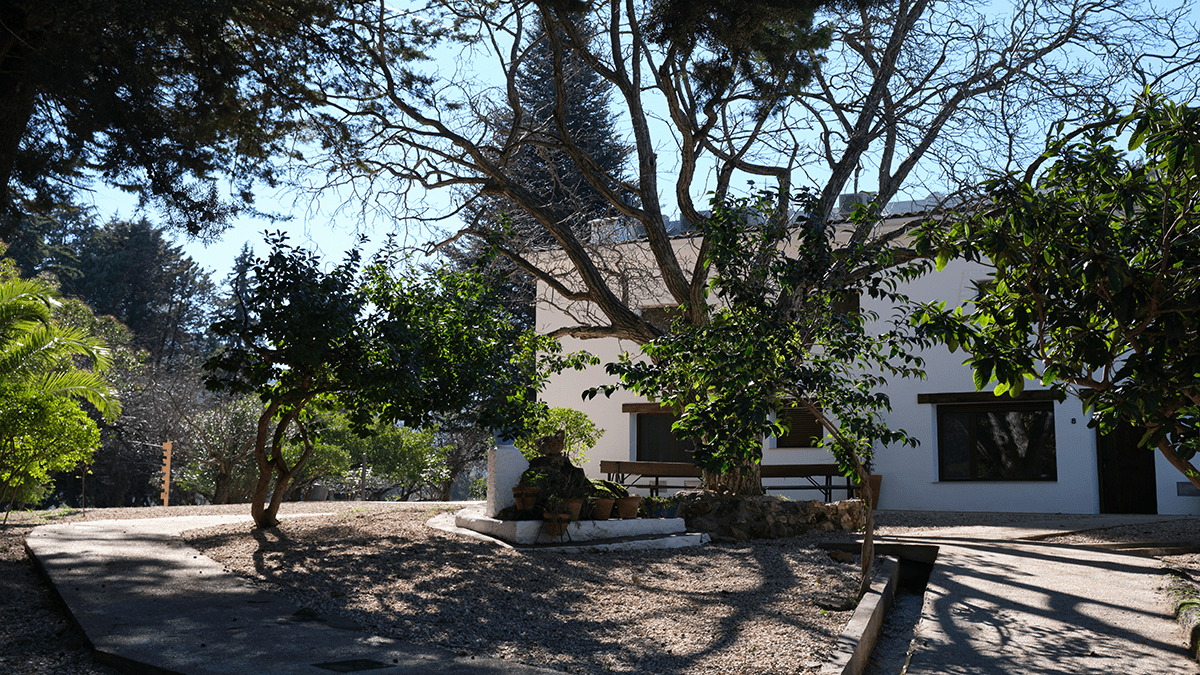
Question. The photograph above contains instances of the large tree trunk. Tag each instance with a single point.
(746, 481)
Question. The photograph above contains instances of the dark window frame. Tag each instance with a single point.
(974, 455)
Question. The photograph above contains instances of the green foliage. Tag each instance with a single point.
(398, 457)
(40, 433)
(125, 269)
(1095, 275)
(581, 434)
(771, 44)
(43, 380)
(38, 353)
(478, 489)
(779, 336)
(609, 489)
(387, 343)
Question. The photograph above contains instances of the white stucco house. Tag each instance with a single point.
(1058, 463)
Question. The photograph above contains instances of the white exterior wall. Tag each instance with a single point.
(910, 475)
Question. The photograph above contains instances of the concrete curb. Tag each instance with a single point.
(859, 636)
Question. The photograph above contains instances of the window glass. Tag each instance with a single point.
(1001, 441)
(657, 443)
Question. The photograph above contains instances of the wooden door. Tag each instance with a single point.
(1126, 473)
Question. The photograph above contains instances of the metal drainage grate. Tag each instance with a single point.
(353, 665)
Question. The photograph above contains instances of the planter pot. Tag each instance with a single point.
(627, 507)
(663, 511)
(602, 508)
(574, 504)
(875, 481)
(556, 523)
(526, 496)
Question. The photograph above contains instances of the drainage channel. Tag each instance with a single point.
(894, 644)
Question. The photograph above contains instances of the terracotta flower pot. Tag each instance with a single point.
(556, 523)
(526, 496)
(574, 504)
(875, 481)
(627, 507)
(602, 508)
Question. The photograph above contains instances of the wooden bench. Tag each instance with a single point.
(628, 473)
(810, 473)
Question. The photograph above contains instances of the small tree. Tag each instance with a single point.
(1095, 276)
(39, 434)
(387, 346)
(580, 434)
(781, 334)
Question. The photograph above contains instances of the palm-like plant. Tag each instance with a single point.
(41, 355)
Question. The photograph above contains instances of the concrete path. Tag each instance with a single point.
(998, 602)
(148, 603)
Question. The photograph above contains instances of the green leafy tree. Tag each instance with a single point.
(39, 434)
(217, 461)
(387, 346)
(1095, 276)
(780, 334)
(581, 434)
(37, 353)
(399, 458)
(128, 270)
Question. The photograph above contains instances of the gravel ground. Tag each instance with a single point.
(753, 608)
(731, 608)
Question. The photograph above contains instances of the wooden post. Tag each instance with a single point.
(166, 491)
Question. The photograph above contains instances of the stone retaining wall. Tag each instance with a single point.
(727, 517)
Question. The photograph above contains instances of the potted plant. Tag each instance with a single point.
(603, 499)
(528, 488)
(627, 507)
(556, 516)
(659, 507)
(574, 499)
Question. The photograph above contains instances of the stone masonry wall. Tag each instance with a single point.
(727, 517)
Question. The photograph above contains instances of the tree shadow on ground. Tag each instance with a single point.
(621, 611)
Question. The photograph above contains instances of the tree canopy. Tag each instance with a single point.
(186, 102)
(911, 93)
(1095, 275)
(386, 343)
(784, 330)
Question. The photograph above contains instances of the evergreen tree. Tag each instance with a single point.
(539, 161)
(125, 269)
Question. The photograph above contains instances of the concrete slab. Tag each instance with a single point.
(1023, 607)
(530, 532)
(148, 603)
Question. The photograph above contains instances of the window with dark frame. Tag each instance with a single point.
(657, 443)
(997, 441)
(804, 430)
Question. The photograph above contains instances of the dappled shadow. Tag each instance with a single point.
(435, 588)
(1029, 608)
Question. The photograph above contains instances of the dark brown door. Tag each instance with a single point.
(1126, 472)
